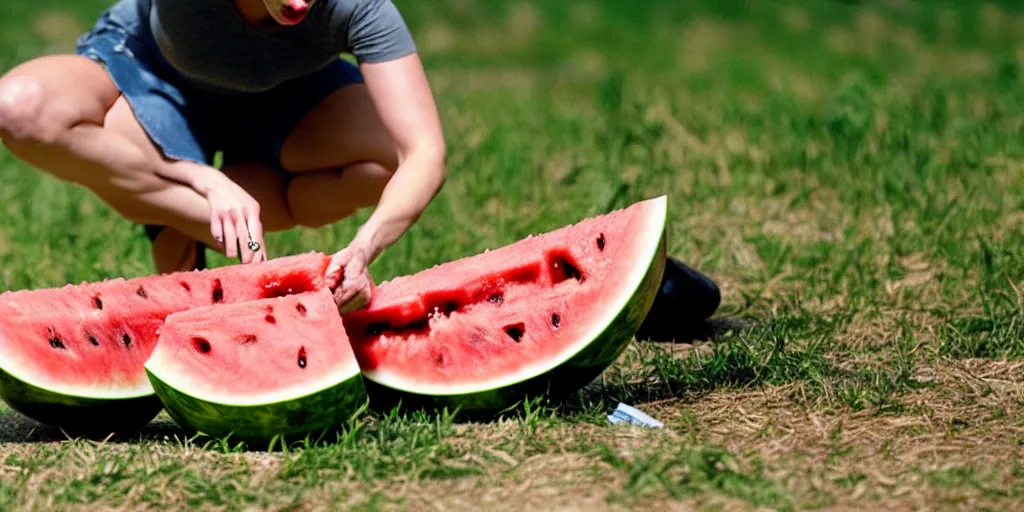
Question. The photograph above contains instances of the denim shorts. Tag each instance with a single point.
(187, 123)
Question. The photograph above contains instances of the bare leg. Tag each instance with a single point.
(64, 116)
(342, 158)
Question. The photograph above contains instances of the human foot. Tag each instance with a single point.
(174, 251)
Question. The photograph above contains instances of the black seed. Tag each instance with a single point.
(141, 292)
(555, 320)
(565, 270)
(97, 302)
(302, 357)
(600, 242)
(515, 331)
(270, 319)
(571, 272)
(201, 345)
(57, 343)
(95, 342)
(218, 291)
(377, 329)
(497, 298)
(450, 307)
(301, 309)
(127, 340)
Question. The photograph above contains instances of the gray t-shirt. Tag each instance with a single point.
(210, 44)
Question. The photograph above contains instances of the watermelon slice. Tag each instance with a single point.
(545, 315)
(259, 369)
(73, 357)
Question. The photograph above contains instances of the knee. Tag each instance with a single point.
(23, 115)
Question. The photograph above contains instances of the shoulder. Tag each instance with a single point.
(372, 30)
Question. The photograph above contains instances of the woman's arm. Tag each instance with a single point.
(403, 99)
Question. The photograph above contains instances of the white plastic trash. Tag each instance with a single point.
(627, 414)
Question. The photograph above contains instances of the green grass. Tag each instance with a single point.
(851, 173)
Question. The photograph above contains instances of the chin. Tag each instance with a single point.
(284, 11)
(282, 20)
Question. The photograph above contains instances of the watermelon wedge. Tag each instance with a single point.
(542, 316)
(258, 369)
(73, 357)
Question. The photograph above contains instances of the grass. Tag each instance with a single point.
(850, 173)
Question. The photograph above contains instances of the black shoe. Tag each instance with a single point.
(685, 300)
(153, 231)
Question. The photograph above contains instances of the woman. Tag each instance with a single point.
(158, 86)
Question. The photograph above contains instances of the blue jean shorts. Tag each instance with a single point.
(187, 123)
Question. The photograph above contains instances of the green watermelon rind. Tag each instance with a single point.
(77, 414)
(259, 423)
(592, 357)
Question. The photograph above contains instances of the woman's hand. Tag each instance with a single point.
(402, 96)
(349, 276)
(234, 217)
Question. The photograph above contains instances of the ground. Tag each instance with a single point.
(851, 173)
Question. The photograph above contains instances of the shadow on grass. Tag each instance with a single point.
(592, 399)
(18, 429)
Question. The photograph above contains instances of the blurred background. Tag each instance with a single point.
(804, 145)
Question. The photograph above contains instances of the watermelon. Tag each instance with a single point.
(260, 369)
(542, 316)
(73, 357)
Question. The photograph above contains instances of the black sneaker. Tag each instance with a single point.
(685, 300)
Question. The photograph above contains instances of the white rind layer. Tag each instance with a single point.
(173, 374)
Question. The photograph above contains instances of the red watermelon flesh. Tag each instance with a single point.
(239, 352)
(78, 344)
(495, 319)
(255, 370)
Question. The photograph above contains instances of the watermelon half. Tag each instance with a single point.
(260, 369)
(73, 357)
(543, 316)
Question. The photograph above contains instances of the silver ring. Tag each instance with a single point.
(254, 245)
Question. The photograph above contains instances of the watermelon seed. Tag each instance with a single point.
(97, 302)
(127, 340)
(141, 292)
(302, 357)
(600, 242)
(95, 342)
(246, 339)
(377, 329)
(201, 345)
(270, 319)
(218, 291)
(450, 307)
(186, 286)
(565, 270)
(301, 309)
(555, 320)
(56, 342)
(497, 298)
(516, 331)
